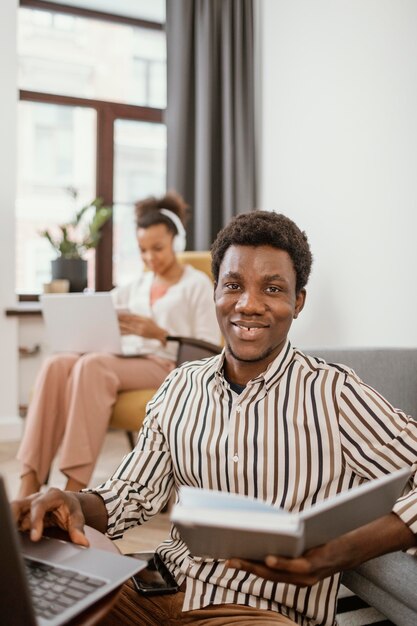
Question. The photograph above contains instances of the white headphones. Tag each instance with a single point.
(179, 241)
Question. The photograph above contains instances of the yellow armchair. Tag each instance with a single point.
(130, 407)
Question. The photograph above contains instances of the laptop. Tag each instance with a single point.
(51, 581)
(82, 322)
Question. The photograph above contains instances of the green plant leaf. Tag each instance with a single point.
(75, 238)
(48, 236)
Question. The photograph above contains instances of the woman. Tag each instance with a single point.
(74, 394)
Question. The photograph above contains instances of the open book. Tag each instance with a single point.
(221, 525)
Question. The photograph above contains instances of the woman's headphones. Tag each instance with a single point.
(179, 241)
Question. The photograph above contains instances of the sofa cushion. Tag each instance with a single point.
(389, 584)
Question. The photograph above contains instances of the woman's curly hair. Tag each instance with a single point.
(265, 228)
(148, 214)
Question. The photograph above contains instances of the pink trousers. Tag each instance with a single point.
(72, 405)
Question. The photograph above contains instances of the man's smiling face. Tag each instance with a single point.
(256, 302)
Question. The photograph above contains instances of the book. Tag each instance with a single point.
(220, 525)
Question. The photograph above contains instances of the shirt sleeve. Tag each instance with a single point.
(378, 439)
(142, 484)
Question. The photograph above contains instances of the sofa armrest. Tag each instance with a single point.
(388, 583)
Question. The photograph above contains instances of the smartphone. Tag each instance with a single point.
(156, 578)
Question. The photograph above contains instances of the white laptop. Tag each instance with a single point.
(82, 322)
(51, 581)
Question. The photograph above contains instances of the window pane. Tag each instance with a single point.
(153, 10)
(88, 58)
(56, 153)
(127, 263)
(139, 171)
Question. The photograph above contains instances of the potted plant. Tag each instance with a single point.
(74, 239)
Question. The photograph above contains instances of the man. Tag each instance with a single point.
(261, 419)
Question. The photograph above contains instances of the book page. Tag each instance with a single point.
(209, 499)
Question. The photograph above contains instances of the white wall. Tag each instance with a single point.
(339, 156)
(9, 421)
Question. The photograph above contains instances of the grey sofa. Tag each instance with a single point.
(389, 583)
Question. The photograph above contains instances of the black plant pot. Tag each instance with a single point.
(75, 270)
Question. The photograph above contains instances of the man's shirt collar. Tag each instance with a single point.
(270, 376)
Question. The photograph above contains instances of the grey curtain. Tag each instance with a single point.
(210, 112)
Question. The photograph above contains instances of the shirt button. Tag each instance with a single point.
(235, 458)
(238, 409)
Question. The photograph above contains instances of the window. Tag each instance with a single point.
(92, 91)
(88, 58)
(56, 147)
(139, 157)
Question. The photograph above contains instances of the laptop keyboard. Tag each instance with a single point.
(54, 589)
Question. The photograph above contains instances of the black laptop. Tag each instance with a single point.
(51, 581)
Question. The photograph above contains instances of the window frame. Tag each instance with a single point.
(107, 112)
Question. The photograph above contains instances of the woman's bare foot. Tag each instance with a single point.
(74, 485)
(28, 484)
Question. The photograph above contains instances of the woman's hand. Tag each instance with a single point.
(131, 324)
(52, 508)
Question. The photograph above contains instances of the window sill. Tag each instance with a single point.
(24, 308)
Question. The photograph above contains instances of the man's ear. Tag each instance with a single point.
(300, 300)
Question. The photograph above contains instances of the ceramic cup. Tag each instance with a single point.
(59, 285)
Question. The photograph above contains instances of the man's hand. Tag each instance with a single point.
(387, 534)
(306, 570)
(52, 508)
(131, 324)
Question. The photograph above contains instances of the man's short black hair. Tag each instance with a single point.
(265, 228)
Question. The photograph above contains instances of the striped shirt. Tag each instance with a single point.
(300, 432)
